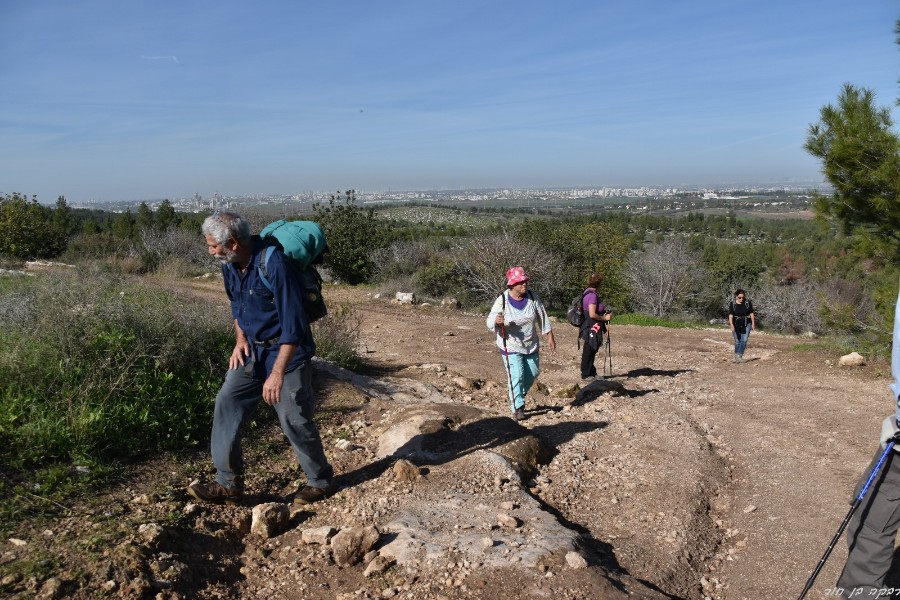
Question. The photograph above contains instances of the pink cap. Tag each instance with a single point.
(515, 275)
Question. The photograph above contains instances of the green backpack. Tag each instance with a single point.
(304, 242)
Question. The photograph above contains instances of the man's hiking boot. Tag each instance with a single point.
(216, 493)
(519, 415)
(310, 495)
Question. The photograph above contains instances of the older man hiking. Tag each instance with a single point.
(270, 362)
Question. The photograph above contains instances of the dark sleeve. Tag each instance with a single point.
(228, 291)
(731, 308)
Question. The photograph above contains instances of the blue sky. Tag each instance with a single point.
(127, 100)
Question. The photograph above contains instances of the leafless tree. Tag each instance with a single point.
(788, 308)
(174, 242)
(663, 276)
(847, 306)
(483, 260)
(402, 257)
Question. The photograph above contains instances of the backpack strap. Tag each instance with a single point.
(263, 272)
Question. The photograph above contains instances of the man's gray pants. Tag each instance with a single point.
(236, 402)
(871, 533)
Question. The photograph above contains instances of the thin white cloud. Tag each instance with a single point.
(172, 58)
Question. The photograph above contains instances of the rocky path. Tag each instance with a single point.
(773, 447)
(681, 476)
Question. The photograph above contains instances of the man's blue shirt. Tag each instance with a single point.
(264, 316)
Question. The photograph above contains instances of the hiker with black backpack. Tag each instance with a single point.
(742, 320)
(593, 326)
(517, 316)
(270, 361)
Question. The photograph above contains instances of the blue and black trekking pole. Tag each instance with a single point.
(853, 507)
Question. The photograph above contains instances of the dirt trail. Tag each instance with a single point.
(682, 476)
(794, 429)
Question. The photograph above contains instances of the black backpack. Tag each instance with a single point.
(575, 314)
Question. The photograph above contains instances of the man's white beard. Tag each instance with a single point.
(230, 256)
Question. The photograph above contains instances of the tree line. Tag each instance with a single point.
(837, 274)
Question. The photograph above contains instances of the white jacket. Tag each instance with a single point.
(520, 325)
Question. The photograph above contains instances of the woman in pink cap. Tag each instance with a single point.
(516, 317)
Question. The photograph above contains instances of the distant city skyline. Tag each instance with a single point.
(107, 101)
(531, 197)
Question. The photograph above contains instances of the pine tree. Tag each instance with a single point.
(860, 156)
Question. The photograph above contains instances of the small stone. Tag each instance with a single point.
(405, 297)
(749, 509)
(379, 565)
(152, 533)
(506, 520)
(345, 445)
(576, 560)
(269, 519)
(854, 359)
(349, 545)
(406, 471)
(318, 535)
(52, 588)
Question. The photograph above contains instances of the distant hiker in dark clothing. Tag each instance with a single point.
(595, 319)
(517, 316)
(742, 320)
(270, 362)
(873, 529)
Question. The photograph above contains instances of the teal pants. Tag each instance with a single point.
(523, 371)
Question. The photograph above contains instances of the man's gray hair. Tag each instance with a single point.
(223, 225)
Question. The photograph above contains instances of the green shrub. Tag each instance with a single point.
(27, 230)
(95, 369)
(440, 278)
(353, 233)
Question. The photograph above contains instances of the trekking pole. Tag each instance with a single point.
(512, 395)
(853, 507)
(608, 353)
